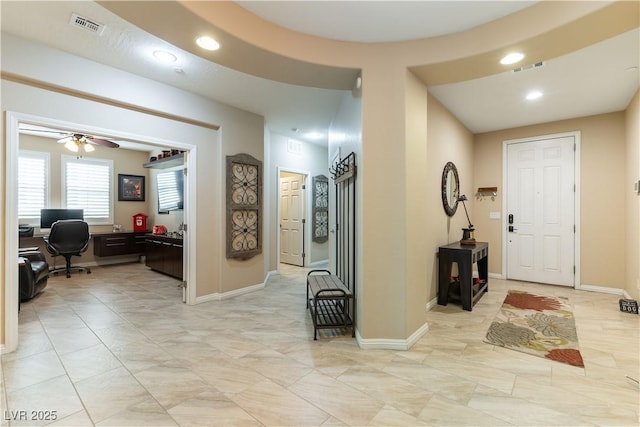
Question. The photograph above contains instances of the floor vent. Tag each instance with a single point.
(529, 67)
(89, 25)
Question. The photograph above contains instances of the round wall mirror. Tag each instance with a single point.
(450, 188)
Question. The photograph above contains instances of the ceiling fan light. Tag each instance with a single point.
(71, 145)
(88, 147)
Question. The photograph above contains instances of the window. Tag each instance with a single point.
(87, 185)
(33, 185)
(170, 191)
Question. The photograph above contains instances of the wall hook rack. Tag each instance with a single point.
(487, 192)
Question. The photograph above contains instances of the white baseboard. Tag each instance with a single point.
(495, 276)
(269, 274)
(2, 348)
(322, 263)
(432, 304)
(226, 295)
(208, 298)
(626, 294)
(600, 289)
(391, 344)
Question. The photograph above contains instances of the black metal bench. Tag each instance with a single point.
(328, 300)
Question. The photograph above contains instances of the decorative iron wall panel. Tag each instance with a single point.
(244, 206)
(320, 209)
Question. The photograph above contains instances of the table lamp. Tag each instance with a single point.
(467, 233)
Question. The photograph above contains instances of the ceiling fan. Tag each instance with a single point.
(72, 141)
(76, 141)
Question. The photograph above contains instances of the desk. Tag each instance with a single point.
(465, 256)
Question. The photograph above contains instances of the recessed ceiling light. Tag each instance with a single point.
(534, 94)
(207, 43)
(512, 58)
(164, 56)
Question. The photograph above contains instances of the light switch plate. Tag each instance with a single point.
(494, 215)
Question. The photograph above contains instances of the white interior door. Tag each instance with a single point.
(540, 211)
(291, 215)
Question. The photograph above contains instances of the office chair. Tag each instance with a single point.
(67, 238)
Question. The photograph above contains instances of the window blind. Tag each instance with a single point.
(170, 190)
(33, 184)
(87, 185)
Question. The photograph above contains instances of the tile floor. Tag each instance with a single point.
(118, 348)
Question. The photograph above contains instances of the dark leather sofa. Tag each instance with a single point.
(33, 272)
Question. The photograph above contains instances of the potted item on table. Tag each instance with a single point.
(159, 229)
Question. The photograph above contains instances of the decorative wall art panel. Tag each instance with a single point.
(244, 206)
(320, 209)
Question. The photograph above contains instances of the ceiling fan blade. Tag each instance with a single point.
(100, 141)
(66, 139)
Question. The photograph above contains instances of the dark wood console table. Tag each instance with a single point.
(465, 256)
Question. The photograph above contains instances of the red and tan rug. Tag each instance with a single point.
(539, 325)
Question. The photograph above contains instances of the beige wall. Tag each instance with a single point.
(448, 141)
(416, 184)
(602, 160)
(631, 198)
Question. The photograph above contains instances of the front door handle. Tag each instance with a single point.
(511, 229)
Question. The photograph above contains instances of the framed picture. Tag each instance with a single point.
(130, 188)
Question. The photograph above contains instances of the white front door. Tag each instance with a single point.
(540, 196)
(291, 215)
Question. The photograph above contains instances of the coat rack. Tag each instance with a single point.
(344, 177)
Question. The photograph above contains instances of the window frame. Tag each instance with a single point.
(66, 159)
(46, 156)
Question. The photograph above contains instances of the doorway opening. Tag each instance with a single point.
(292, 231)
(13, 123)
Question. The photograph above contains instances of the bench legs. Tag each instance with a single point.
(331, 313)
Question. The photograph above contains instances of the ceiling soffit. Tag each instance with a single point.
(610, 21)
(179, 26)
(260, 48)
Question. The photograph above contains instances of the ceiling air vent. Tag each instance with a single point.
(529, 67)
(89, 25)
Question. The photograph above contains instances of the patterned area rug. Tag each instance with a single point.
(538, 325)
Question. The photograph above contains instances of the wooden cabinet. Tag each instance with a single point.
(164, 254)
(121, 243)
